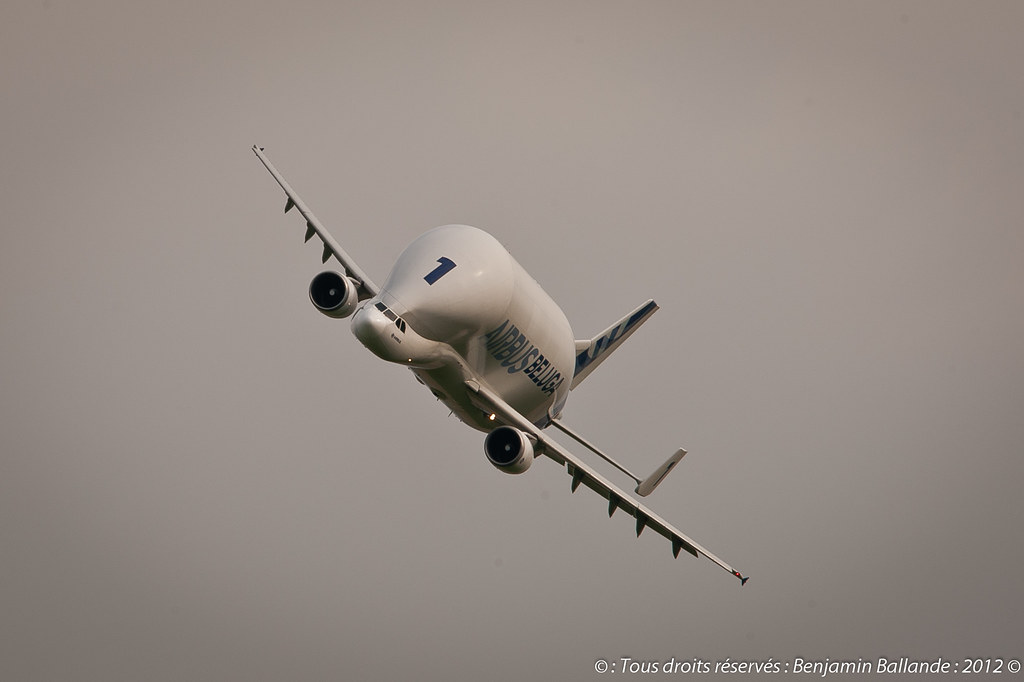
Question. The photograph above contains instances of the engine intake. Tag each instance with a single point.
(509, 449)
(334, 295)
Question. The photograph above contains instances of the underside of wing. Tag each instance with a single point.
(365, 286)
(582, 474)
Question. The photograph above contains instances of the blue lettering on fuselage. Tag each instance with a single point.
(516, 353)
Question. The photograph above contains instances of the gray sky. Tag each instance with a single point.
(203, 478)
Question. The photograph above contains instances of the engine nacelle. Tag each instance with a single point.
(509, 449)
(334, 295)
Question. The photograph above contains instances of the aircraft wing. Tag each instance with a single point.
(581, 473)
(365, 286)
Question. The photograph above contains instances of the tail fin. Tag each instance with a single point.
(590, 354)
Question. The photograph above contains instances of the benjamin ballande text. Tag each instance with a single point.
(814, 667)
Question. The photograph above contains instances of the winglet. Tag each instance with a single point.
(743, 580)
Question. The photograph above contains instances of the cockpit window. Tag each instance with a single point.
(399, 322)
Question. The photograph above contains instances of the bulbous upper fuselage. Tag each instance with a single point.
(470, 311)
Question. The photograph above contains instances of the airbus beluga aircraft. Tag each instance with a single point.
(481, 334)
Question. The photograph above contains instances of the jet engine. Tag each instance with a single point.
(509, 449)
(334, 295)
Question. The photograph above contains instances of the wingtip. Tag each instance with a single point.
(743, 580)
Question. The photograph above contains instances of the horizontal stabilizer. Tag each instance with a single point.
(647, 486)
(644, 487)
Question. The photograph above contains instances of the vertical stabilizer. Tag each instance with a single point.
(590, 354)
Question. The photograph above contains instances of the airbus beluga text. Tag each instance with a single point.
(489, 343)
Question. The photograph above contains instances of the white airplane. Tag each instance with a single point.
(481, 334)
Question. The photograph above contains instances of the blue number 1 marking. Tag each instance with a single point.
(446, 265)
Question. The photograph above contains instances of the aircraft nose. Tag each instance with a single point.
(391, 338)
(373, 331)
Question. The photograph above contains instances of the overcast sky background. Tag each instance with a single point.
(203, 478)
